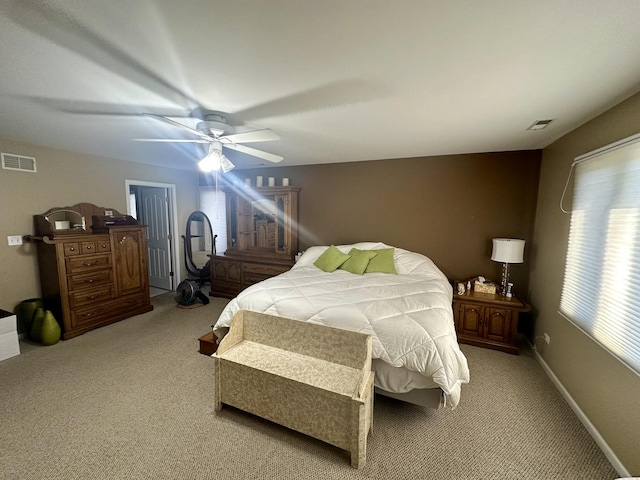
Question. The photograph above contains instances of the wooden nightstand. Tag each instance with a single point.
(488, 320)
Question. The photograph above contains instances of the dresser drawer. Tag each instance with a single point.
(265, 271)
(85, 263)
(90, 280)
(88, 247)
(103, 246)
(95, 313)
(71, 249)
(255, 272)
(90, 297)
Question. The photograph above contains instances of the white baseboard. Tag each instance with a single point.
(604, 446)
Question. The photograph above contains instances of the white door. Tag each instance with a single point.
(155, 214)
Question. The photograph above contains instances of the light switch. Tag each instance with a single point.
(14, 240)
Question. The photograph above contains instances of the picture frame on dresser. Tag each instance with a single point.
(91, 275)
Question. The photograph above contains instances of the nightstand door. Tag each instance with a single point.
(470, 322)
(498, 324)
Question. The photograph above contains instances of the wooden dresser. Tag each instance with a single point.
(91, 279)
(262, 237)
(230, 275)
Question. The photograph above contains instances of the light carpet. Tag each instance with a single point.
(134, 400)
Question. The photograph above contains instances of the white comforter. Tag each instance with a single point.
(409, 314)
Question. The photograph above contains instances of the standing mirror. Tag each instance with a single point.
(199, 243)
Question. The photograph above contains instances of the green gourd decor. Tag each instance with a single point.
(50, 331)
(26, 310)
(36, 325)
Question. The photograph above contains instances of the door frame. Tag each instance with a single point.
(173, 213)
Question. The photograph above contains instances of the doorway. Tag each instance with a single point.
(154, 205)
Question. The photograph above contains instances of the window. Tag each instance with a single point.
(602, 273)
(212, 203)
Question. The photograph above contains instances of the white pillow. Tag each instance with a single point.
(311, 254)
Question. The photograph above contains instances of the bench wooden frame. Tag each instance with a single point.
(314, 379)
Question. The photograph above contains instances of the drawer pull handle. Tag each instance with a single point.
(91, 280)
(92, 297)
(72, 249)
(88, 247)
(87, 264)
(90, 314)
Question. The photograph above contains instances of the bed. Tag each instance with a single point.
(416, 356)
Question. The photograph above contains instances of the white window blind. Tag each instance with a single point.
(212, 203)
(602, 273)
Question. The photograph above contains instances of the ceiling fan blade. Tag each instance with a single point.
(264, 135)
(335, 94)
(171, 140)
(256, 153)
(64, 29)
(179, 125)
(103, 109)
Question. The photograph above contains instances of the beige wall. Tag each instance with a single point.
(448, 208)
(605, 390)
(63, 179)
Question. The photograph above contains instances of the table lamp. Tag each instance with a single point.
(507, 251)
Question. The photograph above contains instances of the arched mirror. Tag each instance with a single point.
(199, 243)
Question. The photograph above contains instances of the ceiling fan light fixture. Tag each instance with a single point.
(215, 160)
(214, 130)
(226, 165)
(209, 163)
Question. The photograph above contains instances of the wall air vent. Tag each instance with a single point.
(18, 162)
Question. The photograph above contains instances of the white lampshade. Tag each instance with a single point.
(508, 250)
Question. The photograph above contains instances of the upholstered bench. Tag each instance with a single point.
(313, 379)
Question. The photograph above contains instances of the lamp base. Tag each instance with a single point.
(504, 281)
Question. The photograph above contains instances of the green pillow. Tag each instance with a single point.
(359, 260)
(331, 259)
(382, 262)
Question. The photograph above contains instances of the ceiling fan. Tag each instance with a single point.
(59, 25)
(214, 130)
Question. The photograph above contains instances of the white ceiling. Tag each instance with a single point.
(338, 80)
